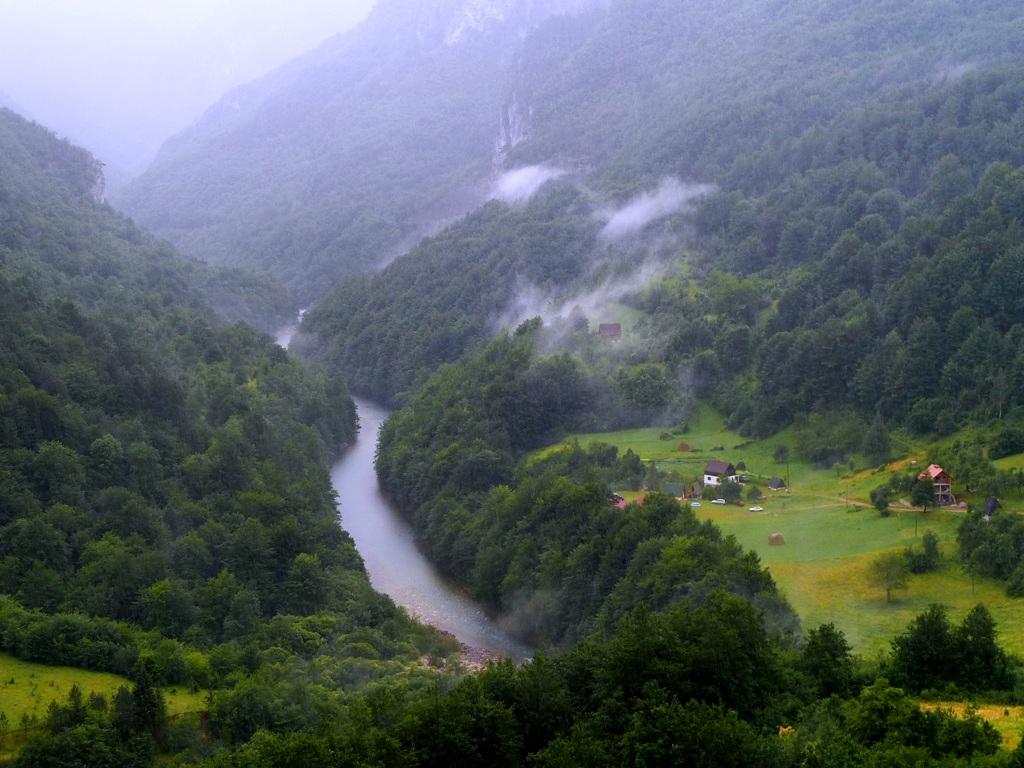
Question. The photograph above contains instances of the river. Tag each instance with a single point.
(396, 566)
(386, 542)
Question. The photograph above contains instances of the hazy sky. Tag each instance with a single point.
(120, 76)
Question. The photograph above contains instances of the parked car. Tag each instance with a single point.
(757, 509)
(718, 501)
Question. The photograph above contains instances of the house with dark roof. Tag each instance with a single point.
(942, 483)
(718, 472)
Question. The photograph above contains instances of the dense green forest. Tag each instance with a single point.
(537, 540)
(385, 332)
(700, 89)
(68, 249)
(875, 277)
(165, 508)
(627, 91)
(702, 685)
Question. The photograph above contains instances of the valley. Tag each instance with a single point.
(657, 398)
(395, 565)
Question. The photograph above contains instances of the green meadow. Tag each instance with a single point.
(27, 689)
(831, 532)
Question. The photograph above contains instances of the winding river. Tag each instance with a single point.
(386, 542)
(396, 566)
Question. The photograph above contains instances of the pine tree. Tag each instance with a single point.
(877, 445)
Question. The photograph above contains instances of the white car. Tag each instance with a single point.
(757, 509)
(718, 501)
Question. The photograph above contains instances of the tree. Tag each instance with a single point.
(731, 491)
(881, 497)
(41, 588)
(981, 663)
(149, 711)
(59, 473)
(877, 445)
(61, 717)
(924, 656)
(646, 386)
(826, 657)
(928, 559)
(105, 458)
(922, 494)
(168, 607)
(307, 586)
(889, 572)
(652, 481)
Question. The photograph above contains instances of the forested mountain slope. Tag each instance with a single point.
(694, 88)
(54, 191)
(349, 155)
(388, 330)
(895, 219)
(346, 157)
(165, 513)
(164, 497)
(881, 273)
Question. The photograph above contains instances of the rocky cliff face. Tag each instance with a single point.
(476, 16)
(459, 22)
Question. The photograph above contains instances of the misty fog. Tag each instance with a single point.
(121, 77)
(671, 196)
(519, 185)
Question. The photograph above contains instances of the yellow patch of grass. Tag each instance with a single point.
(841, 592)
(1009, 721)
(28, 689)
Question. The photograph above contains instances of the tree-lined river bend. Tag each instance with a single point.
(396, 566)
(387, 544)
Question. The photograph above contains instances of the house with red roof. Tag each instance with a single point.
(942, 482)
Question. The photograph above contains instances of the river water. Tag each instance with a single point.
(396, 566)
(386, 542)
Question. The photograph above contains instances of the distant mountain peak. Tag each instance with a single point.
(461, 21)
(475, 15)
(6, 102)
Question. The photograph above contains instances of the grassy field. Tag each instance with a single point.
(832, 533)
(1009, 721)
(28, 689)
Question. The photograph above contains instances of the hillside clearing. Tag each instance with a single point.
(832, 532)
(27, 689)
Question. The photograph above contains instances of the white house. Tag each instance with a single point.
(718, 472)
